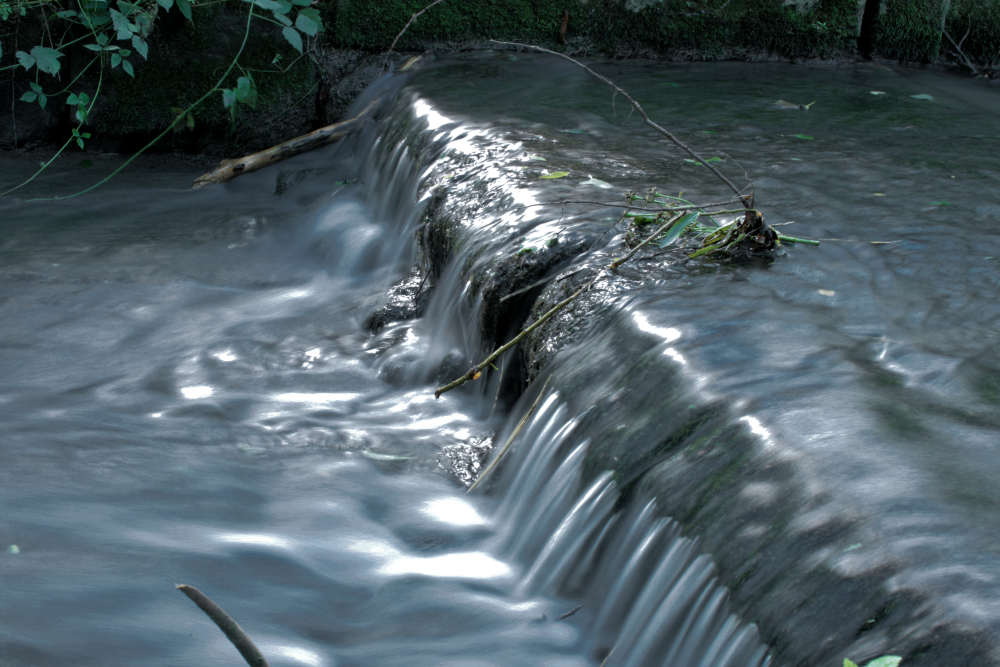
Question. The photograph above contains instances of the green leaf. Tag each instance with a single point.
(103, 39)
(940, 203)
(555, 174)
(166, 4)
(29, 97)
(185, 7)
(885, 661)
(228, 97)
(306, 25)
(678, 228)
(127, 66)
(123, 26)
(26, 60)
(35, 87)
(849, 663)
(285, 7)
(79, 142)
(116, 60)
(922, 96)
(293, 38)
(283, 19)
(68, 14)
(42, 101)
(46, 59)
(190, 122)
(72, 99)
(302, 3)
(309, 21)
(267, 4)
(804, 136)
(139, 44)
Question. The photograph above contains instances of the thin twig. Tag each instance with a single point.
(631, 208)
(476, 370)
(572, 611)
(677, 142)
(229, 627)
(517, 430)
(496, 399)
(413, 18)
(539, 284)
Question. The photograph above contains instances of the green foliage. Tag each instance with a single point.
(884, 661)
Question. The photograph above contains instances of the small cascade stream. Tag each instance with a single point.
(765, 462)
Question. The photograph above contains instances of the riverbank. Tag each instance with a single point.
(297, 93)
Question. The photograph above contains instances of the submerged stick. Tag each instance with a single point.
(635, 105)
(229, 627)
(517, 430)
(230, 169)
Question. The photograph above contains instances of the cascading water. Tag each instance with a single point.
(732, 464)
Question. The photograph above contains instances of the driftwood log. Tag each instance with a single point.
(230, 169)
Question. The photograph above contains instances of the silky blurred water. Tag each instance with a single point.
(188, 394)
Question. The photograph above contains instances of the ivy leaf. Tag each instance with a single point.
(293, 38)
(309, 21)
(166, 4)
(885, 661)
(185, 7)
(127, 66)
(122, 25)
(72, 99)
(139, 44)
(46, 59)
(26, 60)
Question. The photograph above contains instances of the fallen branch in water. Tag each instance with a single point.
(635, 105)
(229, 627)
(517, 430)
(230, 169)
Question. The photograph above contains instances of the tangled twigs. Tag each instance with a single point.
(413, 18)
(635, 105)
(233, 632)
(477, 370)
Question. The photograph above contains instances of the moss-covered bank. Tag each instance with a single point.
(186, 58)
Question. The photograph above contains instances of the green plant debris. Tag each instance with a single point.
(884, 661)
(555, 174)
(804, 136)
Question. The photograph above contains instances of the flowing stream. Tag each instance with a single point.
(783, 461)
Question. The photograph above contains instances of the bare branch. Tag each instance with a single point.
(229, 627)
(958, 49)
(635, 105)
(413, 18)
